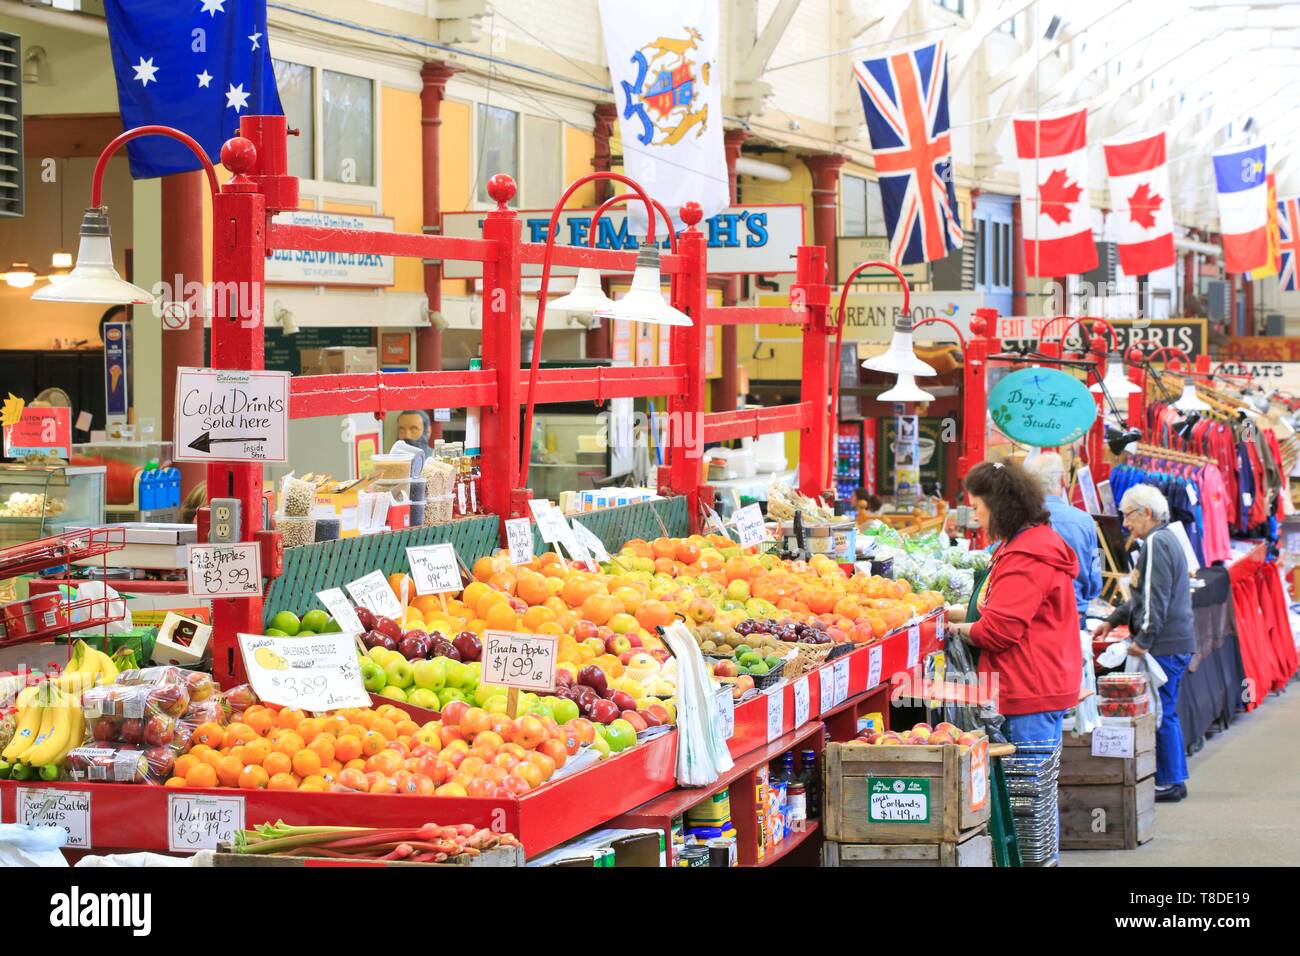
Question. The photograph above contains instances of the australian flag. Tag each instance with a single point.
(196, 65)
(905, 97)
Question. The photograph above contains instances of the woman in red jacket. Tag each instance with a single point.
(1028, 625)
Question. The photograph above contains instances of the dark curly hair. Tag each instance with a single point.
(1013, 496)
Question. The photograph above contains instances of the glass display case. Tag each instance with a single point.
(140, 483)
(40, 500)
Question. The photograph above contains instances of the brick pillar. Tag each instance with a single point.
(825, 169)
(598, 344)
(428, 341)
(726, 389)
(1019, 281)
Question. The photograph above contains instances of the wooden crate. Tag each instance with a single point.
(871, 789)
(1112, 816)
(975, 850)
(1080, 767)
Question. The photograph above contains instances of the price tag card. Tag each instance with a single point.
(775, 711)
(434, 568)
(550, 520)
(841, 680)
(341, 610)
(713, 522)
(576, 547)
(826, 677)
(726, 711)
(70, 809)
(201, 822)
(875, 657)
(310, 673)
(373, 593)
(1112, 741)
(519, 539)
(913, 645)
(802, 701)
(225, 570)
(749, 526)
(526, 661)
(590, 541)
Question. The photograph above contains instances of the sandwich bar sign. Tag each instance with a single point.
(741, 239)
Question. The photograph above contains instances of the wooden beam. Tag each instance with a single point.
(69, 137)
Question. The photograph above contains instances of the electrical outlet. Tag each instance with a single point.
(225, 520)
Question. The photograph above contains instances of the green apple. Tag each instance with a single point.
(448, 694)
(315, 620)
(485, 692)
(306, 632)
(422, 697)
(373, 676)
(396, 693)
(620, 735)
(458, 674)
(564, 711)
(286, 621)
(275, 632)
(738, 590)
(498, 705)
(331, 627)
(378, 654)
(600, 744)
(431, 674)
(399, 671)
(542, 709)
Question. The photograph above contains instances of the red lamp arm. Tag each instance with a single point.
(627, 197)
(1110, 329)
(948, 322)
(526, 439)
(97, 180)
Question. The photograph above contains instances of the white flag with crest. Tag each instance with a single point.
(663, 64)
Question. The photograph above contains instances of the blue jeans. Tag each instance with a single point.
(1171, 754)
(1034, 728)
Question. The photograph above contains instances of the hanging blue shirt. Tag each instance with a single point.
(1080, 533)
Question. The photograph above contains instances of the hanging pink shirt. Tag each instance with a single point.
(1215, 513)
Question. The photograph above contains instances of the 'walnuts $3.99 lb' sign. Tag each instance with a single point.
(1042, 407)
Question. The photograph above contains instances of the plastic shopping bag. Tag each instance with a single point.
(21, 845)
(107, 603)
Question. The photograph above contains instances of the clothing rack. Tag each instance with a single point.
(1168, 454)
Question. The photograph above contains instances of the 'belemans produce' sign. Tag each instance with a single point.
(742, 239)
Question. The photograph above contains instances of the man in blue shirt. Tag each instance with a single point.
(1075, 526)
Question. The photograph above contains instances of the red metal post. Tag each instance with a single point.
(975, 370)
(501, 353)
(817, 436)
(182, 270)
(428, 341)
(685, 442)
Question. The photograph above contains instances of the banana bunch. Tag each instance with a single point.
(87, 667)
(50, 724)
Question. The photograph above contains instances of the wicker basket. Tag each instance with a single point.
(805, 657)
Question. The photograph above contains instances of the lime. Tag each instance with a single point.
(315, 620)
(275, 632)
(286, 621)
(331, 627)
(305, 633)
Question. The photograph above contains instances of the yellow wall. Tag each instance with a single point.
(402, 176)
(579, 147)
(455, 169)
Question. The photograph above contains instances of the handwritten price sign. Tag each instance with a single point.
(70, 809)
(526, 661)
(199, 823)
(373, 593)
(310, 673)
(749, 526)
(1112, 742)
(434, 568)
(225, 570)
(519, 539)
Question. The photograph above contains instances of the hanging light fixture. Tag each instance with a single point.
(60, 261)
(20, 276)
(1189, 401)
(94, 278)
(906, 390)
(645, 301)
(585, 298)
(1116, 382)
(899, 359)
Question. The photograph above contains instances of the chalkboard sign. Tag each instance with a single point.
(283, 352)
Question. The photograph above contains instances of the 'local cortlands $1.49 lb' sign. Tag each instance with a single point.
(1042, 407)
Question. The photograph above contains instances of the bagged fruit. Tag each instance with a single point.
(214, 710)
(153, 730)
(1122, 686)
(135, 702)
(121, 764)
(200, 686)
(239, 699)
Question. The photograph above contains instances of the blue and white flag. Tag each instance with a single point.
(196, 65)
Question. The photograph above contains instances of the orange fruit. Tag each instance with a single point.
(253, 777)
(306, 762)
(323, 747)
(485, 567)
(255, 751)
(228, 770)
(262, 721)
(208, 733)
(688, 552)
(406, 727)
(201, 775)
(652, 614)
(175, 782)
(282, 781)
(531, 587)
(576, 590)
(355, 730)
(335, 723)
(238, 733)
(501, 617)
(356, 763)
(309, 728)
(473, 593)
(487, 601)
(347, 747)
(289, 744)
(599, 608)
(290, 717)
(315, 783)
(385, 726)
(503, 581)
(372, 743)
(277, 762)
(183, 764)
(397, 580)
(538, 615)
(663, 548)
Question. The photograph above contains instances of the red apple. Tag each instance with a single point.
(634, 639)
(659, 711)
(386, 625)
(132, 730)
(725, 668)
(623, 700)
(660, 654)
(625, 658)
(604, 711)
(367, 618)
(635, 719)
(584, 630)
(593, 677)
(650, 719)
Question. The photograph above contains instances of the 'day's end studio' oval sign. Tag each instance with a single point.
(1042, 407)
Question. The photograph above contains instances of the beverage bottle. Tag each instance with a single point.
(811, 780)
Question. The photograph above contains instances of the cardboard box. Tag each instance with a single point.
(339, 360)
(181, 641)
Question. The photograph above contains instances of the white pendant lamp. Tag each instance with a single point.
(1189, 401)
(645, 301)
(1117, 383)
(899, 359)
(906, 390)
(94, 278)
(19, 276)
(586, 297)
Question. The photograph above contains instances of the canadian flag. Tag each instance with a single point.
(1139, 198)
(1053, 154)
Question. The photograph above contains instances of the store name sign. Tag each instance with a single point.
(40, 431)
(1280, 375)
(1189, 335)
(870, 317)
(741, 239)
(1042, 407)
(317, 267)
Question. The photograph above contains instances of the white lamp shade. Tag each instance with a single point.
(19, 276)
(1117, 383)
(94, 279)
(906, 390)
(899, 359)
(645, 301)
(1189, 401)
(61, 260)
(586, 297)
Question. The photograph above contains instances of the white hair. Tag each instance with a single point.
(1049, 469)
(1148, 498)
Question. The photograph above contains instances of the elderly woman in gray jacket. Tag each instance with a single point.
(1159, 616)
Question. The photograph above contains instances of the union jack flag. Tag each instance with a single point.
(905, 97)
(1288, 227)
